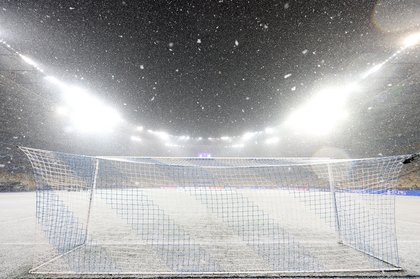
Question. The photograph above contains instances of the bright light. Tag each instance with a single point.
(239, 145)
(411, 40)
(161, 134)
(168, 144)
(225, 138)
(62, 110)
(372, 70)
(272, 140)
(139, 128)
(184, 137)
(248, 136)
(135, 138)
(87, 113)
(28, 60)
(53, 80)
(320, 114)
(350, 88)
(269, 131)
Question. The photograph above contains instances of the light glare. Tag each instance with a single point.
(88, 114)
(248, 136)
(53, 80)
(269, 131)
(168, 144)
(321, 114)
(411, 40)
(28, 60)
(62, 110)
(239, 145)
(135, 138)
(372, 70)
(272, 140)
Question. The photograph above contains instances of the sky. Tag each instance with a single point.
(211, 68)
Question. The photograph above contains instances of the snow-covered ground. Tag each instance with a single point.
(17, 226)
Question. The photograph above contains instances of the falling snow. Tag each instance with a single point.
(203, 70)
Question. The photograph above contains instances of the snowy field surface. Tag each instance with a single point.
(111, 231)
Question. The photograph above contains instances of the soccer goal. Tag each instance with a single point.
(175, 216)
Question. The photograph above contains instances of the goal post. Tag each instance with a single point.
(334, 202)
(176, 216)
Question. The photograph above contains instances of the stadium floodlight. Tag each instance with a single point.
(98, 120)
(248, 136)
(169, 144)
(411, 40)
(135, 138)
(321, 113)
(269, 130)
(88, 114)
(139, 128)
(175, 217)
(162, 135)
(238, 145)
(272, 140)
(225, 138)
(61, 110)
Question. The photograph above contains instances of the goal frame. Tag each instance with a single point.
(332, 189)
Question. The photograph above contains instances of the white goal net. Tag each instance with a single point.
(137, 215)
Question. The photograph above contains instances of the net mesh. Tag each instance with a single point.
(137, 215)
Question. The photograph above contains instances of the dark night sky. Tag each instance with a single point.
(186, 86)
(205, 68)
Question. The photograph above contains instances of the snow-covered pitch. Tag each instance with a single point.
(136, 215)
